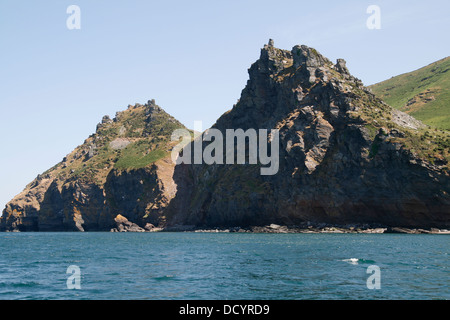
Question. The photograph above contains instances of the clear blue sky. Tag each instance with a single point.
(191, 56)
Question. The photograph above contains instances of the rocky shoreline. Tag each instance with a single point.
(274, 228)
(126, 226)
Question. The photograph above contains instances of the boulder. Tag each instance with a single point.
(124, 225)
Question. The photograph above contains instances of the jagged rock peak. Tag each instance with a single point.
(272, 59)
(304, 55)
(271, 43)
(341, 66)
(106, 119)
(152, 106)
(151, 103)
(300, 55)
(275, 62)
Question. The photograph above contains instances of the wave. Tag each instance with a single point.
(358, 261)
(164, 278)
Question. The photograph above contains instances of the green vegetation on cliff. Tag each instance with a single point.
(134, 139)
(424, 93)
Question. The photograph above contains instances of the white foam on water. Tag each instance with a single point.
(351, 260)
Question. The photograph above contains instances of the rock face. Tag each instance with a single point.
(345, 156)
(123, 169)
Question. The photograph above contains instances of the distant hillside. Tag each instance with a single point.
(424, 93)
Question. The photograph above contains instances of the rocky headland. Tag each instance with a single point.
(348, 162)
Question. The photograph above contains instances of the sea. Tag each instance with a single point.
(223, 266)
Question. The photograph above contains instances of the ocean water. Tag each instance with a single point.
(223, 266)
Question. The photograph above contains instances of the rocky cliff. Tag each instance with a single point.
(123, 171)
(346, 157)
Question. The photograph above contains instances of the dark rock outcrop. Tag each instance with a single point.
(345, 156)
(123, 225)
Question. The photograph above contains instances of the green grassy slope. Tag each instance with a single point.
(424, 93)
(145, 134)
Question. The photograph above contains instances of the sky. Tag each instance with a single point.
(190, 56)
